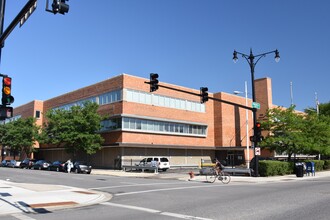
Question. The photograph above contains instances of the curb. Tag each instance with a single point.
(40, 198)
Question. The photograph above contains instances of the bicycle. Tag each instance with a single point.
(222, 176)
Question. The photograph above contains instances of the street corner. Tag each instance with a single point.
(43, 198)
(67, 197)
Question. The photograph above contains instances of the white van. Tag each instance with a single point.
(162, 162)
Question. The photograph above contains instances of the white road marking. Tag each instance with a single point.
(167, 189)
(154, 211)
(22, 217)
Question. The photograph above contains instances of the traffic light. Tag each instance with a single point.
(204, 94)
(6, 112)
(153, 82)
(7, 98)
(258, 132)
(59, 6)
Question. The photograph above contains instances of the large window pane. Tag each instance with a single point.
(138, 124)
(126, 123)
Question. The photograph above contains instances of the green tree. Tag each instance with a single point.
(317, 134)
(318, 129)
(74, 129)
(285, 129)
(20, 135)
(324, 109)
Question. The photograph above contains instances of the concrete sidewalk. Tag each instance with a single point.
(42, 198)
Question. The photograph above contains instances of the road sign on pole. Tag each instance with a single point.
(257, 151)
(256, 105)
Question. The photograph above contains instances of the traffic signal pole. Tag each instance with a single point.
(2, 19)
(17, 19)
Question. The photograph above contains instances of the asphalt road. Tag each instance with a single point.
(145, 198)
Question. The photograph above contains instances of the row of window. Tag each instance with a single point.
(106, 98)
(153, 126)
(141, 97)
(163, 101)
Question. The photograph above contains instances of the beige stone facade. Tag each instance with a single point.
(163, 123)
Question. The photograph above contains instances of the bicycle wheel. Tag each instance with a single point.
(211, 177)
(224, 177)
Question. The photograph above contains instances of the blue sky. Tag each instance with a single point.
(187, 42)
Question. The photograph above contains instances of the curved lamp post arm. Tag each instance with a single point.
(250, 58)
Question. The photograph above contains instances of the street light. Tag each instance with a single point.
(250, 59)
(247, 126)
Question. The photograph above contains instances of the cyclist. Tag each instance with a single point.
(218, 166)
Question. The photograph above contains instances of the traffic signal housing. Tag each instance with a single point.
(153, 82)
(6, 112)
(7, 98)
(258, 135)
(204, 94)
(59, 6)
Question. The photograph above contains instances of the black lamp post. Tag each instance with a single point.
(250, 59)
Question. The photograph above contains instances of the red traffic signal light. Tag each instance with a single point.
(7, 98)
(6, 85)
(258, 132)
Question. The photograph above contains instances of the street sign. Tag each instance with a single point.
(28, 13)
(256, 105)
(257, 151)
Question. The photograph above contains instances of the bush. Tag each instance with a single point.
(274, 168)
(326, 165)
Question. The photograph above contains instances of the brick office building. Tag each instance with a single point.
(163, 123)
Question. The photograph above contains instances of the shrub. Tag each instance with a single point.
(326, 165)
(274, 168)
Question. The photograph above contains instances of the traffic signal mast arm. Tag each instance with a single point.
(16, 20)
(198, 94)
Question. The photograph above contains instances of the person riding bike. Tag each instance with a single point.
(218, 166)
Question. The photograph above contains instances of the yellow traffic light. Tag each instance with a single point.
(7, 98)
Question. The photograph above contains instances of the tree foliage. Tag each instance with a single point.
(317, 134)
(324, 109)
(74, 129)
(291, 132)
(285, 127)
(20, 135)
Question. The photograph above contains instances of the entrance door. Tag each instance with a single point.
(231, 160)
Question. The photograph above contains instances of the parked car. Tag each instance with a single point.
(27, 163)
(5, 163)
(57, 166)
(15, 163)
(81, 167)
(40, 165)
(10, 163)
(162, 162)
